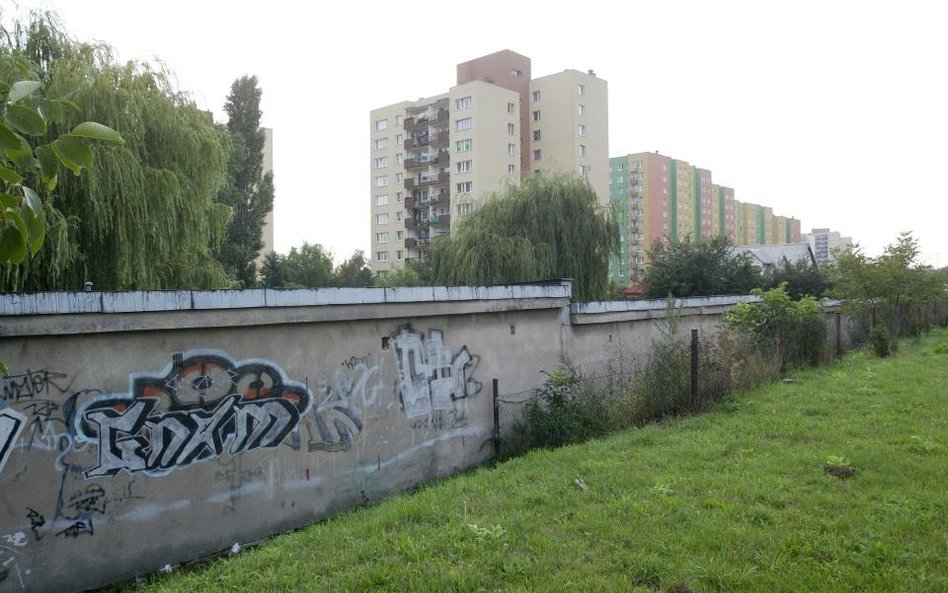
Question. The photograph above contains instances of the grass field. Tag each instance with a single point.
(837, 481)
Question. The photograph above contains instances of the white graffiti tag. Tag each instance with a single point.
(429, 377)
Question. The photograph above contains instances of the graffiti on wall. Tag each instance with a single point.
(30, 384)
(11, 423)
(200, 406)
(430, 377)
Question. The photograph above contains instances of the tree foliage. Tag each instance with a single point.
(699, 268)
(26, 113)
(890, 288)
(801, 278)
(413, 273)
(354, 272)
(247, 191)
(894, 278)
(143, 214)
(310, 266)
(549, 227)
(793, 329)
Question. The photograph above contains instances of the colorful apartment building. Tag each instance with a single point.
(435, 159)
(658, 197)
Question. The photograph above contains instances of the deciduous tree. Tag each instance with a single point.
(143, 213)
(699, 268)
(248, 190)
(549, 227)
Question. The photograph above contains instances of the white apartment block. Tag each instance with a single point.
(569, 120)
(824, 244)
(435, 159)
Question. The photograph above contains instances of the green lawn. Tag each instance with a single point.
(736, 500)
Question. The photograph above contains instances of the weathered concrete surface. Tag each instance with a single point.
(151, 428)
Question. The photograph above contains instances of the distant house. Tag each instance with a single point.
(767, 256)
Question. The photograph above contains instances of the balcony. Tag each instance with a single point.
(443, 158)
(410, 202)
(441, 221)
(414, 123)
(426, 180)
(411, 243)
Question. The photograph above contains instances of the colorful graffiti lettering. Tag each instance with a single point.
(429, 377)
(199, 407)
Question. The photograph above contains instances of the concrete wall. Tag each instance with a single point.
(150, 428)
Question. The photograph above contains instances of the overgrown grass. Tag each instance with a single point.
(741, 499)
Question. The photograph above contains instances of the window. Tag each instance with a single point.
(381, 144)
(398, 121)
(512, 149)
(580, 130)
(511, 129)
(381, 218)
(580, 89)
(511, 170)
(620, 167)
(398, 139)
(515, 73)
(581, 150)
(398, 159)
(381, 124)
(399, 255)
(580, 110)
(381, 162)
(381, 256)
(536, 96)
(465, 187)
(582, 170)
(381, 237)
(398, 197)
(464, 145)
(536, 135)
(536, 155)
(381, 200)
(465, 208)
(536, 115)
(464, 166)
(463, 103)
(398, 216)
(511, 108)
(381, 181)
(398, 178)
(463, 124)
(399, 235)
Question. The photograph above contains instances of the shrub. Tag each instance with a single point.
(880, 341)
(566, 409)
(793, 330)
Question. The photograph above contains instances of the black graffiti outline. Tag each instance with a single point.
(240, 406)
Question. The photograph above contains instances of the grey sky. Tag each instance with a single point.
(833, 112)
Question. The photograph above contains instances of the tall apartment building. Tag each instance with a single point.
(658, 197)
(435, 159)
(824, 243)
(267, 234)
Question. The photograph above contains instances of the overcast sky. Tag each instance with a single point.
(832, 112)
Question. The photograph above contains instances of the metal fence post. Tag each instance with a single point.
(496, 420)
(839, 335)
(694, 370)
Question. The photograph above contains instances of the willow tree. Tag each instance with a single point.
(549, 227)
(143, 215)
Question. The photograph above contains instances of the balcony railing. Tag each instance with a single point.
(426, 180)
(441, 221)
